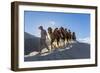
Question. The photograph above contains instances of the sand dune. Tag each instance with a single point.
(74, 51)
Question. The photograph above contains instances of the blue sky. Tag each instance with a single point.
(77, 22)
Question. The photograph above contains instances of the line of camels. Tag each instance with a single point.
(60, 34)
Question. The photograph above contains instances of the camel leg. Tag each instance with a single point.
(52, 45)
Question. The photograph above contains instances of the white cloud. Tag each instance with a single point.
(85, 40)
(52, 22)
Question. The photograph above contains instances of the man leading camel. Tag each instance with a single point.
(43, 39)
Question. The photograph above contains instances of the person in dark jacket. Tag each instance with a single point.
(73, 36)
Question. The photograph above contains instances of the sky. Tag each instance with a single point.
(76, 22)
